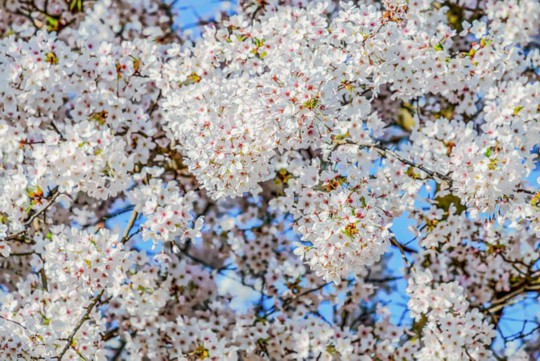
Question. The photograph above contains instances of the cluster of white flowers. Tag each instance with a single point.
(343, 220)
(454, 250)
(168, 214)
(42, 312)
(452, 331)
(273, 164)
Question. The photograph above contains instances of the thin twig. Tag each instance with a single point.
(431, 173)
(55, 195)
(15, 322)
(131, 222)
(85, 317)
(402, 250)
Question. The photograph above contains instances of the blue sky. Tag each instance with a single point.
(193, 10)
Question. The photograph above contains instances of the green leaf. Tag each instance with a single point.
(202, 352)
(331, 349)
(51, 58)
(363, 201)
(259, 42)
(405, 119)
(535, 201)
(53, 24)
(448, 200)
(76, 5)
(311, 104)
(241, 37)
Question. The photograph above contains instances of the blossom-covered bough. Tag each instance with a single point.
(244, 195)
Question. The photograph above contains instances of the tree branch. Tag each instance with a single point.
(131, 222)
(85, 317)
(28, 222)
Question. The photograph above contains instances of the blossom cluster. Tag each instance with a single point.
(307, 180)
(452, 330)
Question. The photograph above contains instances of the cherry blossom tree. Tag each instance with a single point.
(306, 180)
